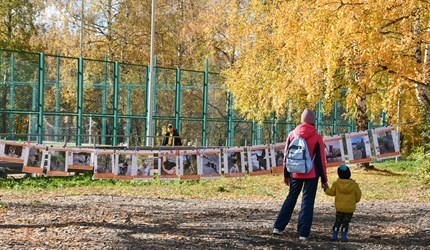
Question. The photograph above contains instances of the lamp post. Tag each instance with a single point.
(81, 32)
(149, 131)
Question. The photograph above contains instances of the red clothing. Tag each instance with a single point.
(309, 133)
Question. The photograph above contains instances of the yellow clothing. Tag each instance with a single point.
(347, 193)
(170, 141)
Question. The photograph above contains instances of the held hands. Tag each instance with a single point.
(325, 185)
(287, 181)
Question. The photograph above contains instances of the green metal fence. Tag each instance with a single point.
(53, 98)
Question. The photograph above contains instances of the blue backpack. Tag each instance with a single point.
(298, 157)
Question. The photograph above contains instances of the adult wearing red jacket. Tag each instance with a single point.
(308, 182)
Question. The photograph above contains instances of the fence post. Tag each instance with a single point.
(178, 99)
(57, 99)
(319, 118)
(80, 101)
(115, 103)
(104, 100)
(41, 82)
(259, 133)
(146, 105)
(275, 128)
(384, 119)
(12, 95)
(127, 124)
(288, 120)
(253, 140)
(205, 102)
(230, 114)
(335, 118)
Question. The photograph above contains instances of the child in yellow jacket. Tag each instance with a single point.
(347, 193)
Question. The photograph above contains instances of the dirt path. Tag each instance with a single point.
(123, 222)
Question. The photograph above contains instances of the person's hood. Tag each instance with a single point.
(305, 130)
(347, 186)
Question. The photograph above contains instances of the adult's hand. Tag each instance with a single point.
(287, 181)
(325, 185)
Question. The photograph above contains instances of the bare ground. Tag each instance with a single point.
(125, 222)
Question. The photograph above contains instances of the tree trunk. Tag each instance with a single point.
(422, 91)
(361, 122)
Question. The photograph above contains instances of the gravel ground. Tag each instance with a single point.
(125, 222)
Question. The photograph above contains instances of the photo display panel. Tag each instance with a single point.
(168, 165)
(334, 152)
(234, 162)
(13, 151)
(258, 160)
(386, 143)
(124, 165)
(143, 165)
(188, 165)
(34, 159)
(277, 157)
(358, 146)
(81, 159)
(104, 164)
(210, 163)
(57, 161)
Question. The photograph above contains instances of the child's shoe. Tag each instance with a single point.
(344, 234)
(335, 232)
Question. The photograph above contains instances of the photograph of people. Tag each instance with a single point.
(211, 164)
(358, 148)
(58, 161)
(386, 142)
(190, 164)
(82, 159)
(104, 163)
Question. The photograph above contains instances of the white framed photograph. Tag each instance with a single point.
(258, 160)
(143, 165)
(104, 164)
(234, 162)
(57, 162)
(124, 165)
(188, 165)
(210, 163)
(168, 165)
(81, 159)
(334, 152)
(386, 143)
(358, 145)
(277, 157)
(34, 159)
(13, 151)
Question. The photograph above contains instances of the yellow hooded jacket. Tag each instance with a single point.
(347, 193)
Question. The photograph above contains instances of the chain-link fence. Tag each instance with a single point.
(58, 99)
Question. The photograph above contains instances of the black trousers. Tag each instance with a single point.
(342, 219)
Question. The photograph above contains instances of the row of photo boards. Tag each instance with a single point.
(191, 164)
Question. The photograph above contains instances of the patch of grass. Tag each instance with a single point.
(389, 182)
(222, 189)
(401, 166)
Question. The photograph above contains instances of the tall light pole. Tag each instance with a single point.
(150, 129)
(81, 34)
